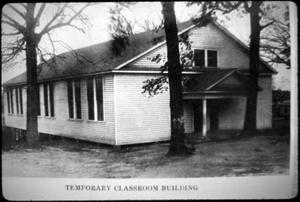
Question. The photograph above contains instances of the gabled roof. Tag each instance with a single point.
(99, 58)
(267, 67)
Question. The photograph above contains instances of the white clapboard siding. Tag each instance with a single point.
(230, 54)
(264, 103)
(146, 61)
(140, 118)
(97, 131)
(232, 112)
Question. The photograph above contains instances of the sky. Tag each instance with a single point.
(97, 30)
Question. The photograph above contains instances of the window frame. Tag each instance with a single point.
(94, 99)
(49, 103)
(16, 89)
(39, 100)
(74, 101)
(194, 61)
(11, 101)
(206, 56)
(21, 100)
(217, 57)
(8, 101)
(46, 99)
(51, 100)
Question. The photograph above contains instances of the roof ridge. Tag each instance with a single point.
(109, 41)
(100, 53)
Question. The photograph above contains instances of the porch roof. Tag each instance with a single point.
(215, 83)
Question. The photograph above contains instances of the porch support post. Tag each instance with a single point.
(204, 110)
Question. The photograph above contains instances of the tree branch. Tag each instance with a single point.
(228, 6)
(51, 41)
(49, 28)
(11, 34)
(13, 23)
(17, 11)
(24, 5)
(42, 8)
(59, 12)
(266, 25)
(246, 6)
(10, 52)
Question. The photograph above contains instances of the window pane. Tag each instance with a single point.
(21, 100)
(11, 101)
(39, 102)
(51, 91)
(212, 58)
(90, 97)
(17, 99)
(199, 58)
(46, 100)
(8, 100)
(78, 99)
(99, 92)
(70, 99)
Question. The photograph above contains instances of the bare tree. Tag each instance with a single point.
(255, 29)
(23, 28)
(256, 13)
(275, 45)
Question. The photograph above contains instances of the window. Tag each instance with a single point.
(95, 98)
(74, 99)
(39, 102)
(78, 99)
(205, 58)
(212, 58)
(49, 100)
(8, 101)
(11, 101)
(46, 100)
(99, 97)
(70, 99)
(90, 97)
(19, 100)
(199, 58)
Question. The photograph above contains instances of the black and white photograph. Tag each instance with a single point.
(149, 100)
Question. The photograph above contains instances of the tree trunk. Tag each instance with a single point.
(177, 142)
(32, 87)
(251, 106)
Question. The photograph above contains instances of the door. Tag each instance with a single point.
(198, 121)
(213, 114)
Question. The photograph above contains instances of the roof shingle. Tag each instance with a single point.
(95, 58)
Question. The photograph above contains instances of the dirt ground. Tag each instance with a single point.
(264, 154)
